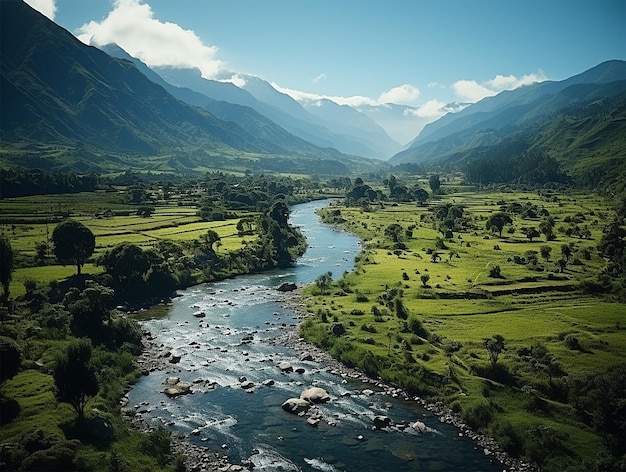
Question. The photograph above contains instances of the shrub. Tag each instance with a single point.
(495, 272)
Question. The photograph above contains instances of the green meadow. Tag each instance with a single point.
(29, 221)
(424, 308)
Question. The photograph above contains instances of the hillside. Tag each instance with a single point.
(67, 106)
(541, 118)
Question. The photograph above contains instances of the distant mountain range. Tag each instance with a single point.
(580, 121)
(67, 106)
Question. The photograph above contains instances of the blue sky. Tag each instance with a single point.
(420, 53)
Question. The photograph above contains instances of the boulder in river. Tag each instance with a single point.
(295, 405)
(287, 287)
(315, 395)
(180, 388)
(381, 421)
(418, 426)
(285, 366)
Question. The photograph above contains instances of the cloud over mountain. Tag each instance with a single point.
(132, 25)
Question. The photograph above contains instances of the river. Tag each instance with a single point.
(234, 341)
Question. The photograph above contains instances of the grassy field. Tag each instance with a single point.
(459, 302)
(28, 221)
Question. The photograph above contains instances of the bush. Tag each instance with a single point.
(495, 272)
(479, 415)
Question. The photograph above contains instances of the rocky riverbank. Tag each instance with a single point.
(290, 338)
(159, 359)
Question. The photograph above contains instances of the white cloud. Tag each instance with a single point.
(132, 25)
(45, 7)
(472, 91)
(406, 93)
(309, 98)
(319, 77)
(431, 109)
(401, 94)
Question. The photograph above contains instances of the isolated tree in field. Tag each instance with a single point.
(424, 278)
(74, 376)
(6, 265)
(566, 252)
(545, 252)
(547, 228)
(323, 281)
(498, 221)
(73, 243)
(531, 233)
(434, 183)
(421, 196)
(435, 256)
(494, 346)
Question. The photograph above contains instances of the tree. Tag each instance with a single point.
(210, 238)
(323, 281)
(434, 183)
(531, 233)
(6, 266)
(421, 196)
(127, 264)
(498, 221)
(424, 278)
(395, 232)
(74, 376)
(73, 243)
(10, 358)
(566, 252)
(494, 346)
(547, 228)
(545, 252)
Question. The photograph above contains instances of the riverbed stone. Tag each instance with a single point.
(287, 287)
(285, 366)
(315, 395)
(295, 405)
(381, 421)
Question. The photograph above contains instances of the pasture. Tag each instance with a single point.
(29, 221)
(460, 300)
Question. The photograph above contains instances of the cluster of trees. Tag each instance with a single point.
(18, 183)
(528, 168)
(363, 194)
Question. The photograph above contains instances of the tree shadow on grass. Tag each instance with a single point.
(9, 410)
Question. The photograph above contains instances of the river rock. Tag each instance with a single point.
(381, 421)
(268, 382)
(306, 356)
(199, 314)
(287, 287)
(418, 426)
(296, 405)
(246, 385)
(285, 366)
(180, 388)
(315, 395)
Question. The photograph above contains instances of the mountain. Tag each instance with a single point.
(67, 106)
(245, 116)
(357, 136)
(494, 119)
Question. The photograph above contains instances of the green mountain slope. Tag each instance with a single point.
(67, 106)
